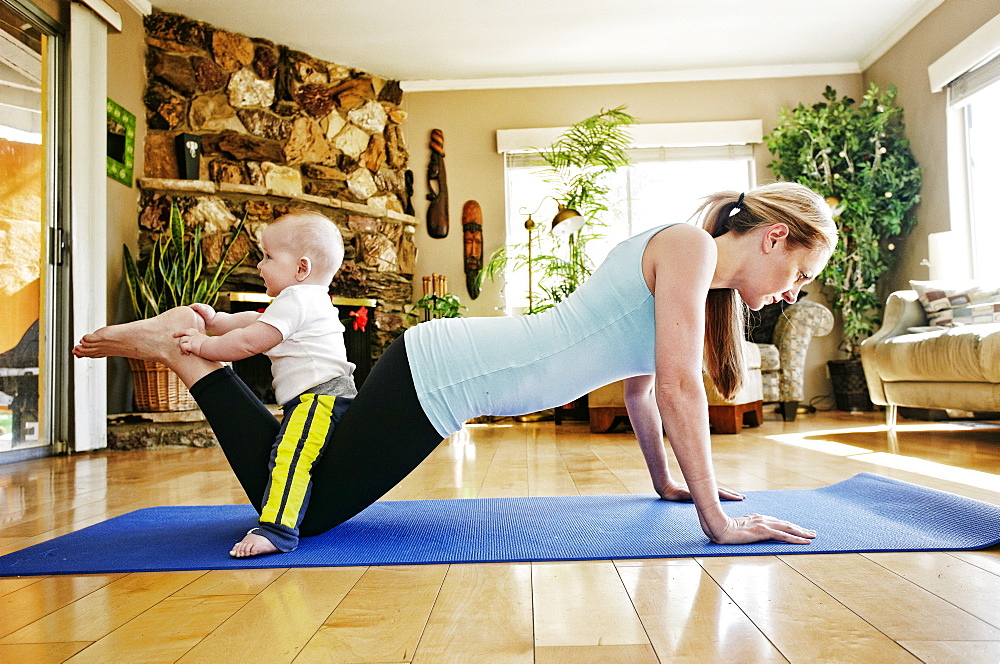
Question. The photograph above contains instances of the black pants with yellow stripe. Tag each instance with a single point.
(380, 437)
(308, 423)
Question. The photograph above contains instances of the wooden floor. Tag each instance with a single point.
(872, 608)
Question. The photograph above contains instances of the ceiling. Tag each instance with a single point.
(450, 44)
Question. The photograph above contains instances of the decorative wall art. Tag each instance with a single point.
(407, 197)
(437, 186)
(121, 143)
(472, 236)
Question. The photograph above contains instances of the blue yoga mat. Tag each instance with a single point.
(863, 514)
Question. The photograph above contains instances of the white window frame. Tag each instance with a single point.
(649, 142)
(956, 244)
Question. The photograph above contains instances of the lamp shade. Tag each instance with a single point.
(567, 221)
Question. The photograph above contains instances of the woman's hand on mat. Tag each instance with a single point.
(678, 492)
(759, 528)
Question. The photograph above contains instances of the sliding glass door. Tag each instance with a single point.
(30, 250)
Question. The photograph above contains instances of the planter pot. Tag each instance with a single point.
(850, 390)
(158, 389)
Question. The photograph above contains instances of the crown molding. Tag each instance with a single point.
(633, 78)
(901, 29)
(144, 7)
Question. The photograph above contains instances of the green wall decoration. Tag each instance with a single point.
(121, 143)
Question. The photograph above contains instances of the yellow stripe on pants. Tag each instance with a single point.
(300, 446)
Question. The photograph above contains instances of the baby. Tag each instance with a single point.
(302, 334)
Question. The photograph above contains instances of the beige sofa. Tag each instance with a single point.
(955, 368)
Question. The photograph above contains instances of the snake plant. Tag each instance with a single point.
(171, 275)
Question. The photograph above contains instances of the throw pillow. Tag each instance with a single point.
(950, 303)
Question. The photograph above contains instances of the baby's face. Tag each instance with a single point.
(279, 266)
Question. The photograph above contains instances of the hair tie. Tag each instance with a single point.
(738, 207)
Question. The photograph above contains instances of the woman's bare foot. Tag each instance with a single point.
(148, 339)
(253, 545)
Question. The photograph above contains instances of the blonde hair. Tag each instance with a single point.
(810, 226)
(314, 236)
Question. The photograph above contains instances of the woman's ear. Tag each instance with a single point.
(304, 269)
(774, 233)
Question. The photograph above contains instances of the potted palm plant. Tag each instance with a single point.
(857, 156)
(577, 166)
(171, 275)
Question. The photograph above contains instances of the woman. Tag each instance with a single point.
(664, 304)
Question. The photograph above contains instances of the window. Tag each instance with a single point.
(979, 108)
(970, 72)
(663, 185)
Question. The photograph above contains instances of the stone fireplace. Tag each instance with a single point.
(278, 130)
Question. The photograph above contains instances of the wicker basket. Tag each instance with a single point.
(158, 389)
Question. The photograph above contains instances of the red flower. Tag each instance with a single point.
(360, 319)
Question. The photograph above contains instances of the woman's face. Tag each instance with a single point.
(781, 273)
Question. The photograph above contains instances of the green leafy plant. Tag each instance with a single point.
(171, 275)
(441, 306)
(855, 155)
(577, 166)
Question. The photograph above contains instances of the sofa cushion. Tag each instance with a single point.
(949, 303)
(969, 353)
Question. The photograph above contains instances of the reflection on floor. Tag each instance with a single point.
(928, 606)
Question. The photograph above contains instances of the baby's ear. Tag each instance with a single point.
(304, 269)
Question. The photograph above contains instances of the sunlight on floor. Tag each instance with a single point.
(813, 440)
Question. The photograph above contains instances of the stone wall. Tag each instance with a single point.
(279, 130)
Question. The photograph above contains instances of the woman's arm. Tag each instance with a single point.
(644, 414)
(679, 266)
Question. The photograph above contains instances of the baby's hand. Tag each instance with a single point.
(190, 341)
(206, 312)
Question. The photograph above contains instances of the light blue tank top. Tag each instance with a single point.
(467, 367)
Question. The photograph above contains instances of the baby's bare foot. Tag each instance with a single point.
(253, 545)
(148, 339)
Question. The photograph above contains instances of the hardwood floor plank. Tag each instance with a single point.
(381, 619)
(276, 624)
(629, 654)
(178, 622)
(590, 475)
(804, 623)
(547, 473)
(103, 610)
(955, 652)
(967, 586)
(13, 583)
(508, 472)
(690, 619)
(40, 653)
(483, 614)
(49, 594)
(231, 582)
(988, 559)
(896, 607)
(583, 604)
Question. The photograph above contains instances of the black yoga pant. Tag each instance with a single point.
(381, 438)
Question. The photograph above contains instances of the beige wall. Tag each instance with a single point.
(126, 83)
(905, 66)
(469, 120)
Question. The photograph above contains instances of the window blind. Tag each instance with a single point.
(973, 81)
